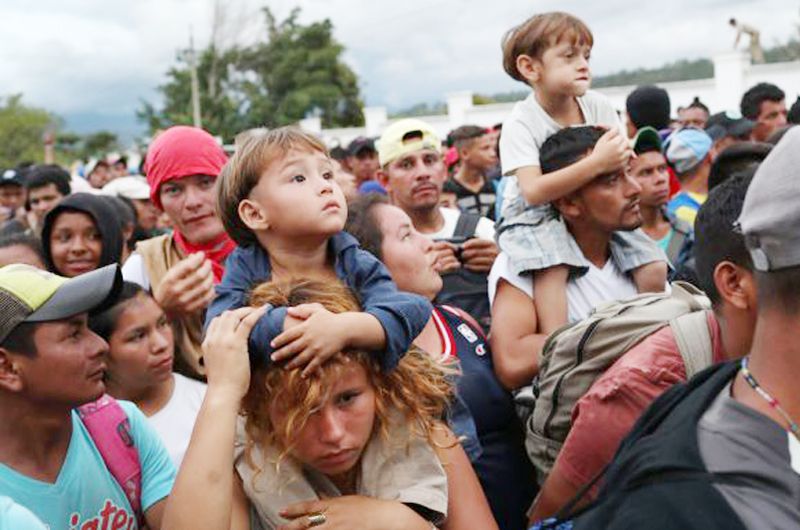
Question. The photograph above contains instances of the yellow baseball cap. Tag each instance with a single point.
(28, 294)
(394, 141)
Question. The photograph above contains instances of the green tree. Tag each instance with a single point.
(21, 131)
(295, 72)
(221, 103)
(99, 143)
(299, 71)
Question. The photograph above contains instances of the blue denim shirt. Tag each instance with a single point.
(402, 314)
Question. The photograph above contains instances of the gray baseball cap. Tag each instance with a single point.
(770, 218)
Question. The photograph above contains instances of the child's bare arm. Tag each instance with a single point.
(611, 153)
(312, 335)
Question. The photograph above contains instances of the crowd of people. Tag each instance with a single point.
(577, 318)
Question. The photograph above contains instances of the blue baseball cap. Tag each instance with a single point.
(686, 149)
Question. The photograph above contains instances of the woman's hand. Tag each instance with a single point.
(225, 354)
(187, 287)
(353, 511)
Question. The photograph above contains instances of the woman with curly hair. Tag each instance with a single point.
(348, 447)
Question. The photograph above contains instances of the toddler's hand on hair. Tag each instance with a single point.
(311, 335)
(612, 152)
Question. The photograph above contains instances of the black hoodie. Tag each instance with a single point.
(108, 223)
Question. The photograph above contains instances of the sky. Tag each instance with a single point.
(94, 61)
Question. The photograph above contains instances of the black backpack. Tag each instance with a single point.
(657, 479)
(465, 289)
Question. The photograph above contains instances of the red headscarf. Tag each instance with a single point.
(183, 151)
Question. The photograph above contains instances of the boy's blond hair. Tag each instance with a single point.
(539, 33)
(255, 151)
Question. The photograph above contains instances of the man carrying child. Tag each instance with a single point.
(550, 53)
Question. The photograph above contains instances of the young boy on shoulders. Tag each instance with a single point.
(550, 53)
(279, 201)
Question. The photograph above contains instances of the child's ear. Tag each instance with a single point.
(529, 68)
(253, 215)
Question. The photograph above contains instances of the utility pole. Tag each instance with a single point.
(191, 59)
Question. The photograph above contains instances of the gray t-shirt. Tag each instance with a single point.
(734, 438)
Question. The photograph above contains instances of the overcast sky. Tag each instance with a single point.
(94, 60)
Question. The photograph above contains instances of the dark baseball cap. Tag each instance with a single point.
(12, 176)
(361, 144)
(729, 123)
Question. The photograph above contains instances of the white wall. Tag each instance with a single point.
(733, 75)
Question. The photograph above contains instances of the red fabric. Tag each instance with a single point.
(605, 414)
(216, 251)
(181, 151)
(674, 183)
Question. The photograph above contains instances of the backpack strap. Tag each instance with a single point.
(694, 341)
(110, 429)
(466, 225)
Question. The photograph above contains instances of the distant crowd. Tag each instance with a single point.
(576, 318)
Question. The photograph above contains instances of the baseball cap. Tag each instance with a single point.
(359, 145)
(12, 176)
(392, 145)
(646, 139)
(132, 187)
(728, 123)
(770, 215)
(28, 294)
(686, 149)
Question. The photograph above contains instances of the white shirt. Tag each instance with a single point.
(584, 293)
(175, 421)
(484, 230)
(133, 271)
(525, 130)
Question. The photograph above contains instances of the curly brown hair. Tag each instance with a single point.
(417, 388)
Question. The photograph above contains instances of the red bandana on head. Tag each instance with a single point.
(183, 151)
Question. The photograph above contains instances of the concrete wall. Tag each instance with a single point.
(733, 75)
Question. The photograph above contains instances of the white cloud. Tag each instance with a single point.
(98, 56)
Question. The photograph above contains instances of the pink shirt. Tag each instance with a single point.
(605, 414)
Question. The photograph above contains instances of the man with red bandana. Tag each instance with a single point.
(181, 268)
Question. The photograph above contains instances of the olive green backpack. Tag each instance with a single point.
(577, 354)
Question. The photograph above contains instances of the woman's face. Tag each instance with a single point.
(338, 431)
(141, 347)
(190, 204)
(75, 244)
(408, 255)
(147, 214)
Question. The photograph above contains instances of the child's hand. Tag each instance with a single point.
(612, 152)
(312, 334)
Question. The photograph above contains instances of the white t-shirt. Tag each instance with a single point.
(528, 126)
(484, 230)
(174, 422)
(133, 271)
(584, 293)
(525, 130)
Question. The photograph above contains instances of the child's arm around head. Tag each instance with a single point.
(390, 321)
(610, 154)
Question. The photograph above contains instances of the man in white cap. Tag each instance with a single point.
(723, 450)
(55, 461)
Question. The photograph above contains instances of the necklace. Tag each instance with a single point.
(769, 399)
